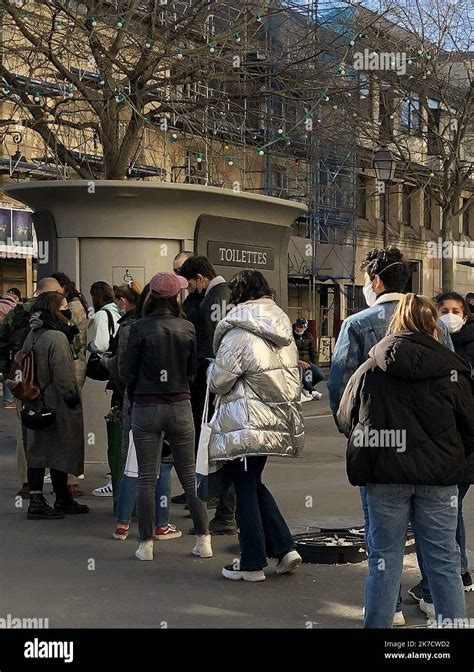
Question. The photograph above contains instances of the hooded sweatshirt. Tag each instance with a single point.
(408, 413)
(257, 377)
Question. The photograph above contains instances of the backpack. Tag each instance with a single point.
(19, 328)
(23, 374)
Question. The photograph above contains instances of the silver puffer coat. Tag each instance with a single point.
(257, 377)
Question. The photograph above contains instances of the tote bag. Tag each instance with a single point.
(131, 464)
(211, 479)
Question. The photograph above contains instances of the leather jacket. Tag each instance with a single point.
(161, 354)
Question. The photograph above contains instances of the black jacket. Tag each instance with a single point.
(191, 307)
(212, 309)
(413, 384)
(306, 346)
(161, 354)
(463, 342)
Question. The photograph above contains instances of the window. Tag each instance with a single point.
(407, 206)
(410, 113)
(427, 220)
(434, 118)
(355, 299)
(361, 197)
(465, 219)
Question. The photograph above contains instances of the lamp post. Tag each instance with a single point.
(385, 165)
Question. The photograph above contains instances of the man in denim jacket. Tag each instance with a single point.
(385, 276)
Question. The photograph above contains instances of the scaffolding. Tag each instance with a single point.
(244, 126)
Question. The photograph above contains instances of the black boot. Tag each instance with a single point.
(222, 526)
(39, 508)
(69, 505)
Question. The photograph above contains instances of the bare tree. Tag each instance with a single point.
(417, 79)
(91, 78)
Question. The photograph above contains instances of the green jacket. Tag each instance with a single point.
(13, 331)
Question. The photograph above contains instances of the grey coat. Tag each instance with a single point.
(257, 377)
(60, 446)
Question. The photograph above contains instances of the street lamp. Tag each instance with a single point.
(385, 165)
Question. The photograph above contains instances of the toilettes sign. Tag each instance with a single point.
(237, 254)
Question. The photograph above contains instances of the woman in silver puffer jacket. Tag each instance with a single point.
(257, 380)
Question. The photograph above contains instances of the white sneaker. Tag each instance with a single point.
(234, 573)
(203, 546)
(398, 619)
(104, 491)
(289, 562)
(145, 550)
(316, 395)
(306, 393)
(427, 608)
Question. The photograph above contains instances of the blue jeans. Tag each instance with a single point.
(365, 507)
(128, 496)
(311, 377)
(8, 397)
(433, 513)
(263, 530)
(460, 540)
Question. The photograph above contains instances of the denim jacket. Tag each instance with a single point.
(359, 333)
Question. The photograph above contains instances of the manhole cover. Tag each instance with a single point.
(337, 546)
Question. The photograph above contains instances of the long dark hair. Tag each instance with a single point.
(141, 301)
(102, 294)
(50, 302)
(70, 289)
(248, 285)
(154, 302)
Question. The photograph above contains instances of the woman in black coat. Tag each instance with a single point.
(408, 413)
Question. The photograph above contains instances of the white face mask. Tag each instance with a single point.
(453, 322)
(369, 294)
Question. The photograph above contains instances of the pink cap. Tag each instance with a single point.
(167, 284)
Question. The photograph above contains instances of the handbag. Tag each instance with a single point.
(94, 369)
(211, 479)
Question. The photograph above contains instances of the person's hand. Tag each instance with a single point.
(104, 357)
(304, 365)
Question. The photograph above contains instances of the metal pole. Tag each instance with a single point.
(386, 214)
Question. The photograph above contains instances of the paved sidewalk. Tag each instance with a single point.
(72, 571)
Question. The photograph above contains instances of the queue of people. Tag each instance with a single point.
(400, 389)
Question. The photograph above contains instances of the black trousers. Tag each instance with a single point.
(58, 479)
